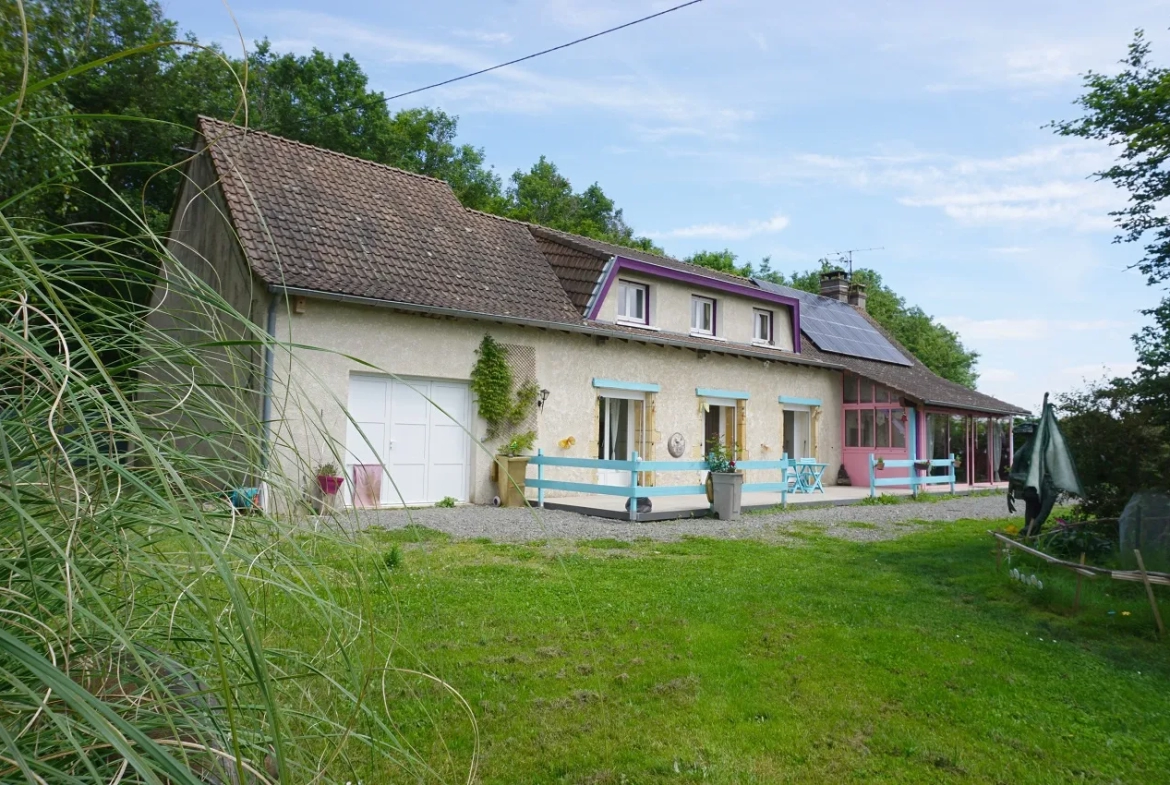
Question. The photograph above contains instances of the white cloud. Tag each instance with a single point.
(1105, 370)
(975, 330)
(1044, 187)
(519, 89)
(484, 36)
(997, 375)
(718, 231)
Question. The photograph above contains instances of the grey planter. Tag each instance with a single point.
(728, 488)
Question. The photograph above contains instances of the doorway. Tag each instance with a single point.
(797, 443)
(719, 427)
(619, 434)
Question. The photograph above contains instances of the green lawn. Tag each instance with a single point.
(739, 662)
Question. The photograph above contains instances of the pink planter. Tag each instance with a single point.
(329, 485)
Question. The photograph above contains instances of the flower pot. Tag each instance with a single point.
(329, 484)
(512, 472)
(727, 490)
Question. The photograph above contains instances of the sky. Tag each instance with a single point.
(793, 130)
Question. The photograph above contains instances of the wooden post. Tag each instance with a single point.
(1077, 596)
(952, 478)
(540, 479)
(1149, 592)
(634, 488)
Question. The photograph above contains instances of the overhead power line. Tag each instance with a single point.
(387, 99)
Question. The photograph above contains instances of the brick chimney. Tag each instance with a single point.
(857, 296)
(835, 285)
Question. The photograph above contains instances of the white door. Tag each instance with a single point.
(796, 434)
(616, 432)
(416, 431)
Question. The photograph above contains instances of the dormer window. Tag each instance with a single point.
(762, 329)
(702, 316)
(633, 302)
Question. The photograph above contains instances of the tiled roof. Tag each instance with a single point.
(916, 381)
(604, 250)
(578, 270)
(315, 219)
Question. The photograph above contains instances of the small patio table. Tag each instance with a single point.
(808, 477)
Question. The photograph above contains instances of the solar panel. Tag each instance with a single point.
(836, 327)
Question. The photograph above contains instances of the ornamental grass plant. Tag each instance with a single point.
(136, 642)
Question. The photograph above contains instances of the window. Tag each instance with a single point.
(763, 326)
(852, 432)
(703, 315)
(633, 302)
(883, 427)
(849, 389)
(898, 425)
(866, 392)
(867, 427)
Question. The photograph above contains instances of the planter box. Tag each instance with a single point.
(727, 489)
(512, 473)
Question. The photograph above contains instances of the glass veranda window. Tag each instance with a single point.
(703, 315)
(632, 299)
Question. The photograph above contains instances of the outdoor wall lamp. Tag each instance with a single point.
(541, 399)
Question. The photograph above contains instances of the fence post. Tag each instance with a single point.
(634, 488)
(784, 481)
(540, 479)
(952, 476)
(872, 476)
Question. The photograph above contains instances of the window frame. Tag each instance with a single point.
(625, 288)
(770, 340)
(698, 302)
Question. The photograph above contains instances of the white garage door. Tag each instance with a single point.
(417, 430)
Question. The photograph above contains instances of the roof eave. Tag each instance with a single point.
(582, 329)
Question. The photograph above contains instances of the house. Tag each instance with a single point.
(396, 284)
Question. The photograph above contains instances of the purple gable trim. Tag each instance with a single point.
(633, 265)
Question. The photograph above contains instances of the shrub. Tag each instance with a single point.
(446, 501)
(393, 558)
(1069, 540)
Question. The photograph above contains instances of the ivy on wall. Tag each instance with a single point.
(502, 406)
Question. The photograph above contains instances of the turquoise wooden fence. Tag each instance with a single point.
(913, 479)
(632, 490)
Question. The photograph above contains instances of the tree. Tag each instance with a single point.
(724, 261)
(1130, 111)
(1120, 429)
(544, 196)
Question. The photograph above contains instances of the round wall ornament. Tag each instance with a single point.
(676, 445)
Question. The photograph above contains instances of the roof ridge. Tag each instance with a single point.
(215, 120)
(574, 238)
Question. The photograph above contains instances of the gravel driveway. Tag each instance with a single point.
(853, 522)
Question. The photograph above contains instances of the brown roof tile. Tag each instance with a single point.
(578, 270)
(315, 219)
(606, 250)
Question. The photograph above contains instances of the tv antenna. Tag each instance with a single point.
(847, 255)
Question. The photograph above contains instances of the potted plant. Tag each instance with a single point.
(512, 468)
(507, 408)
(328, 483)
(880, 463)
(724, 481)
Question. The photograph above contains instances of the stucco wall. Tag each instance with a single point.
(670, 310)
(566, 364)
